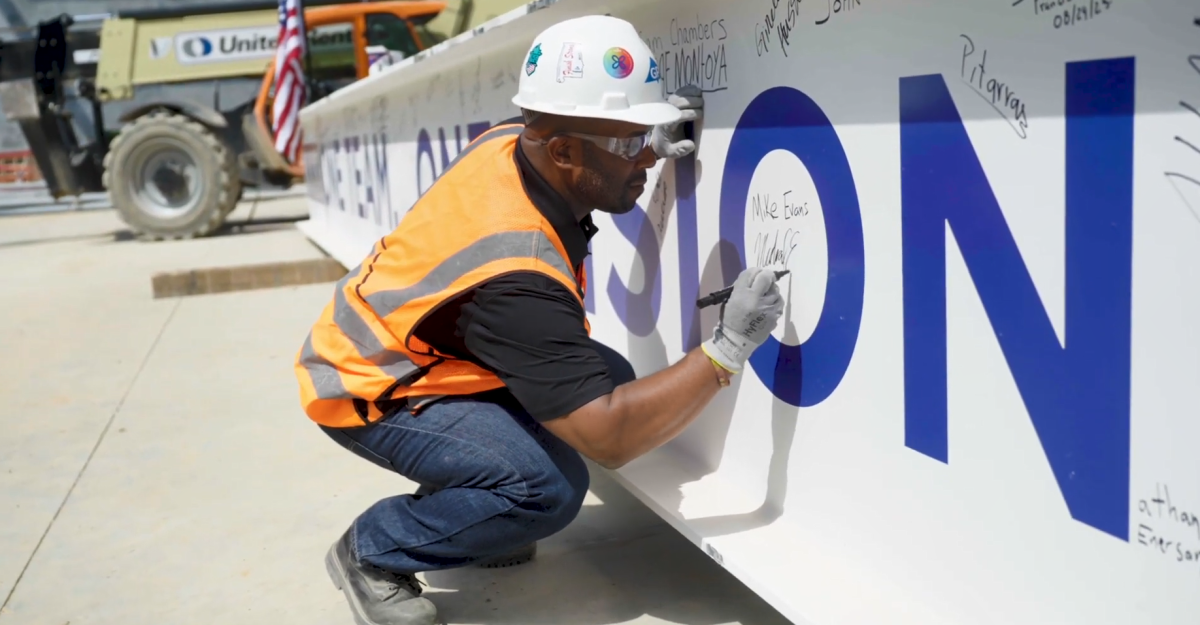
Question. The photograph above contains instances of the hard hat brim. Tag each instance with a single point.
(648, 114)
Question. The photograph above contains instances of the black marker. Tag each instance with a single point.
(722, 296)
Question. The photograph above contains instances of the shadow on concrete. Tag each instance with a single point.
(231, 228)
(617, 563)
(262, 224)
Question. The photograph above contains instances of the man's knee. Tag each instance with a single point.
(619, 368)
(556, 496)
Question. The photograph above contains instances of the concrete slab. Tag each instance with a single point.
(211, 498)
(77, 321)
(34, 198)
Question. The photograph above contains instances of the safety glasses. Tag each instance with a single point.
(626, 147)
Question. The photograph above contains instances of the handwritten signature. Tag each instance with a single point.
(1164, 514)
(775, 248)
(658, 209)
(838, 6)
(1194, 61)
(782, 28)
(763, 207)
(1072, 14)
(1000, 96)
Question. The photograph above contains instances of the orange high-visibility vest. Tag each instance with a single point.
(474, 224)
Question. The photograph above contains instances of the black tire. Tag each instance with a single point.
(240, 194)
(237, 200)
(170, 177)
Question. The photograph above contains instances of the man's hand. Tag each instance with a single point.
(747, 319)
(668, 140)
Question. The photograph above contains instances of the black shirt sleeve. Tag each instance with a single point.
(528, 329)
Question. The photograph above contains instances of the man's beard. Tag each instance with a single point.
(601, 190)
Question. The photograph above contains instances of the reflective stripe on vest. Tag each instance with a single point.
(325, 379)
(493, 247)
(473, 224)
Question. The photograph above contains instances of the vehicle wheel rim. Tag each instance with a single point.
(166, 179)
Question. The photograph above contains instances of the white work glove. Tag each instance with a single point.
(747, 319)
(667, 140)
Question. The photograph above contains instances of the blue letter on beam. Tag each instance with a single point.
(1077, 395)
(783, 118)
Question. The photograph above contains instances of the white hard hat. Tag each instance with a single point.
(595, 66)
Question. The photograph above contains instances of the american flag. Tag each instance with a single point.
(290, 92)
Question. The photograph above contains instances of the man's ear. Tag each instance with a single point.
(564, 152)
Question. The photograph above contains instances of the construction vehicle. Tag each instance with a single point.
(168, 110)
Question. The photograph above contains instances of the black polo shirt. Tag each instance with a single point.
(525, 327)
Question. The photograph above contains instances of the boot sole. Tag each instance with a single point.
(521, 556)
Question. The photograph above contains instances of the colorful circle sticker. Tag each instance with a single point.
(618, 62)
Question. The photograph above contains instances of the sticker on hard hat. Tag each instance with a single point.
(534, 55)
(570, 62)
(652, 76)
(618, 62)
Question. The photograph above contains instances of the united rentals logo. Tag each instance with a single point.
(240, 44)
(243, 44)
(332, 37)
(196, 48)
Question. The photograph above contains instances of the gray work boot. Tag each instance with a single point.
(376, 596)
(520, 555)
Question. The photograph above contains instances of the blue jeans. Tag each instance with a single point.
(492, 479)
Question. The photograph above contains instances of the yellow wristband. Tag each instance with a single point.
(715, 361)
